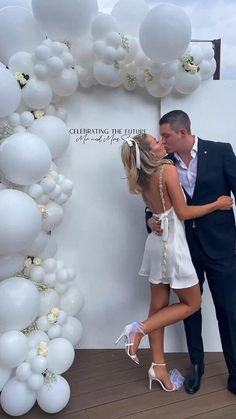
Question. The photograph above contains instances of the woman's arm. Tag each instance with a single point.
(188, 212)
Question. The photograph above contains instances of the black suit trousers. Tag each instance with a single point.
(221, 277)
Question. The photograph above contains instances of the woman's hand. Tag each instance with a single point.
(224, 203)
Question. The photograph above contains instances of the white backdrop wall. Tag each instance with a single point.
(103, 233)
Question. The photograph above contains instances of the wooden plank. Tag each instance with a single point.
(186, 409)
(228, 412)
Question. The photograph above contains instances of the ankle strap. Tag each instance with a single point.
(159, 365)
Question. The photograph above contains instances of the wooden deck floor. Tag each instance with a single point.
(106, 385)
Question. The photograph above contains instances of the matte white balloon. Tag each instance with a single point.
(21, 62)
(10, 265)
(22, 35)
(50, 249)
(54, 216)
(64, 20)
(102, 25)
(186, 83)
(165, 33)
(66, 83)
(22, 297)
(60, 355)
(10, 92)
(23, 371)
(72, 301)
(129, 15)
(20, 221)
(54, 132)
(37, 94)
(5, 374)
(37, 245)
(35, 337)
(24, 158)
(48, 300)
(54, 397)
(72, 330)
(35, 382)
(106, 74)
(16, 398)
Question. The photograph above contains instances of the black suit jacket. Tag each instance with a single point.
(216, 175)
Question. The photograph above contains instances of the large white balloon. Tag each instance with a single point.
(60, 355)
(102, 25)
(18, 32)
(37, 245)
(72, 301)
(186, 83)
(165, 33)
(21, 62)
(20, 221)
(24, 158)
(62, 20)
(19, 303)
(37, 94)
(54, 397)
(129, 15)
(72, 330)
(10, 265)
(5, 374)
(10, 92)
(13, 348)
(16, 398)
(54, 132)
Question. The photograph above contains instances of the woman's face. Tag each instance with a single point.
(156, 146)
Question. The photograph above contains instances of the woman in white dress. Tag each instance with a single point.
(166, 261)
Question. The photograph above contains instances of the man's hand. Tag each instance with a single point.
(155, 225)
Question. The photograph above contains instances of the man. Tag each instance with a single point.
(207, 170)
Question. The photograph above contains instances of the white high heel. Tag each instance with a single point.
(175, 377)
(130, 329)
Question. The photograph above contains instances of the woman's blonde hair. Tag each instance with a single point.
(138, 179)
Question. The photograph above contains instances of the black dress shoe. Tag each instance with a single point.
(192, 380)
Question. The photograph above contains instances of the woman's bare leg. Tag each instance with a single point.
(159, 299)
(190, 301)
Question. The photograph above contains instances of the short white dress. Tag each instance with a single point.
(167, 258)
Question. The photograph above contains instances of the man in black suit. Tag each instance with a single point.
(207, 170)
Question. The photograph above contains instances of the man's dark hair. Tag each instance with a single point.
(177, 120)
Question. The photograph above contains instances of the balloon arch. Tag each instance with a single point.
(64, 46)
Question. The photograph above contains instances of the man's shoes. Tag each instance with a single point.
(231, 385)
(192, 380)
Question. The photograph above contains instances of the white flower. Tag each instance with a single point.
(42, 348)
(27, 263)
(39, 113)
(37, 261)
(53, 315)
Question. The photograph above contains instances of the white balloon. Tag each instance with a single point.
(21, 62)
(16, 398)
(72, 301)
(63, 275)
(48, 300)
(206, 69)
(20, 221)
(35, 191)
(55, 65)
(43, 199)
(65, 84)
(165, 33)
(49, 265)
(10, 92)
(27, 119)
(54, 331)
(186, 83)
(37, 94)
(167, 82)
(50, 250)
(155, 89)
(197, 53)
(132, 51)
(82, 51)
(129, 15)
(169, 69)
(72, 330)
(14, 119)
(39, 364)
(54, 132)
(106, 74)
(43, 325)
(23, 371)
(10, 265)
(13, 348)
(18, 32)
(54, 216)
(5, 374)
(54, 397)
(60, 20)
(61, 288)
(208, 51)
(41, 71)
(50, 279)
(114, 39)
(60, 355)
(37, 273)
(102, 25)
(22, 297)
(42, 53)
(37, 245)
(35, 382)
(24, 158)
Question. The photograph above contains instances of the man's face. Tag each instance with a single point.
(170, 138)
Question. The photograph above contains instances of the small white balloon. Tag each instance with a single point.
(26, 119)
(48, 300)
(37, 94)
(50, 249)
(39, 364)
(102, 25)
(13, 348)
(54, 331)
(72, 330)
(49, 265)
(66, 83)
(72, 301)
(35, 382)
(16, 398)
(60, 355)
(34, 338)
(55, 65)
(37, 273)
(23, 371)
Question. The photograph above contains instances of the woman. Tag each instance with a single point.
(166, 261)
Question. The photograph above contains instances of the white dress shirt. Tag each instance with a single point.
(187, 175)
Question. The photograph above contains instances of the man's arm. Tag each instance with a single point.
(230, 167)
(148, 215)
